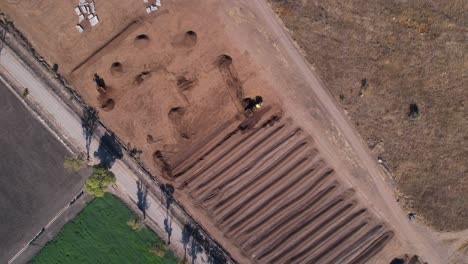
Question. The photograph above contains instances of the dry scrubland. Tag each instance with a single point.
(413, 52)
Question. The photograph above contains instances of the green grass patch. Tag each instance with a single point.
(100, 234)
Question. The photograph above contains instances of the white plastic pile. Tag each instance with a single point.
(86, 10)
(152, 7)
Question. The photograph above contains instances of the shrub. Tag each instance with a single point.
(98, 181)
(25, 92)
(159, 249)
(135, 224)
(413, 111)
(74, 163)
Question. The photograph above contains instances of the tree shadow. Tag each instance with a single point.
(168, 228)
(108, 151)
(88, 124)
(216, 256)
(142, 194)
(191, 234)
(186, 235)
(168, 192)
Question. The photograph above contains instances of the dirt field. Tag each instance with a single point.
(34, 186)
(396, 53)
(270, 191)
(291, 183)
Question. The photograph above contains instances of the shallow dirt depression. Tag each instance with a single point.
(140, 78)
(185, 83)
(106, 104)
(142, 41)
(190, 38)
(224, 60)
(116, 69)
(187, 39)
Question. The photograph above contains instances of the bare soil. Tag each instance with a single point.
(395, 53)
(287, 183)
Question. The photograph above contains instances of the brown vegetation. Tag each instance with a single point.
(404, 52)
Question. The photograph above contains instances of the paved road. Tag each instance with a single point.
(69, 124)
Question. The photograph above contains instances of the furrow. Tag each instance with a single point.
(323, 216)
(355, 245)
(334, 246)
(245, 144)
(293, 156)
(269, 203)
(265, 150)
(289, 220)
(239, 191)
(271, 169)
(276, 203)
(181, 163)
(204, 149)
(373, 248)
(327, 236)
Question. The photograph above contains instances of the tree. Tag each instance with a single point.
(413, 111)
(99, 180)
(74, 163)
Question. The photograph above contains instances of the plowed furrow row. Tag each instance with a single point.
(352, 247)
(309, 244)
(273, 231)
(241, 166)
(215, 142)
(334, 245)
(183, 162)
(281, 200)
(233, 152)
(293, 160)
(373, 248)
(321, 219)
(274, 200)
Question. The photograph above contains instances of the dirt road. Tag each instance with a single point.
(70, 128)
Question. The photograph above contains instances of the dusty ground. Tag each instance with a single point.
(407, 52)
(34, 186)
(172, 93)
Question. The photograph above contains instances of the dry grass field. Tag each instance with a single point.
(395, 53)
